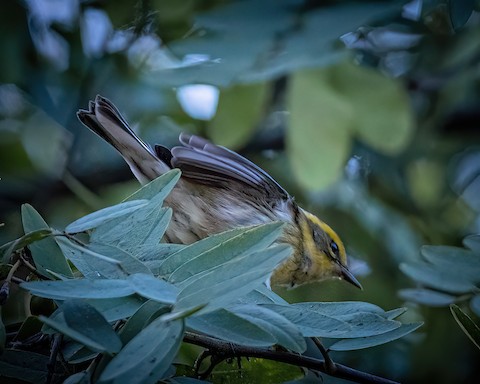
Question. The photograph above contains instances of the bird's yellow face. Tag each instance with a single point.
(319, 254)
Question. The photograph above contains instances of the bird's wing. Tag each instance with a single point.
(206, 163)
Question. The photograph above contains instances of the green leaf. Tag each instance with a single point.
(88, 322)
(127, 263)
(226, 325)
(248, 240)
(149, 311)
(336, 309)
(104, 215)
(59, 324)
(45, 253)
(145, 226)
(80, 289)
(158, 188)
(466, 324)
(285, 332)
(222, 285)
(148, 356)
(22, 365)
(91, 264)
(113, 309)
(319, 129)
(7, 249)
(238, 113)
(372, 341)
(183, 255)
(310, 322)
(443, 280)
(427, 297)
(365, 324)
(387, 129)
(153, 288)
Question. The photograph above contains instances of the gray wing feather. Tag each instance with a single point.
(211, 164)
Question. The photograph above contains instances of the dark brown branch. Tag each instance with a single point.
(226, 350)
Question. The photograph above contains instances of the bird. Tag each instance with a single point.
(219, 190)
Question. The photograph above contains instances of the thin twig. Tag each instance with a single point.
(57, 342)
(329, 364)
(225, 349)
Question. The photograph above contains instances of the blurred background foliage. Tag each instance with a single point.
(368, 112)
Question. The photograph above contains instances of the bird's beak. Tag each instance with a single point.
(348, 276)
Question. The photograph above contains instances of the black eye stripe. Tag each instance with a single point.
(335, 249)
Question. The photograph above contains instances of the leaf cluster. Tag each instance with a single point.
(447, 276)
(124, 299)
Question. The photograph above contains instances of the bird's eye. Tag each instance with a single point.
(334, 247)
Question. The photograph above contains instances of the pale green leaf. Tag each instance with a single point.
(104, 215)
(153, 288)
(372, 341)
(285, 332)
(427, 297)
(432, 277)
(246, 241)
(148, 356)
(380, 106)
(311, 323)
(224, 324)
(80, 289)
(319, 135)
(238, 114)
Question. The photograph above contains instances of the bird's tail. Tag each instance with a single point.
(103, 118)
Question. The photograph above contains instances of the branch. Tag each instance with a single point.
(229, 350)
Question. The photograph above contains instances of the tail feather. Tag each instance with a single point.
(104, 119)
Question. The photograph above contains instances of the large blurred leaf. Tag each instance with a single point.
(148, 355)
(466, 324)
(46, 144)
(460, 12)
(456, 260)
(238, 113)
(427, 297)
(441, 279)
(318, 138)
(380, 106)
(45, 253)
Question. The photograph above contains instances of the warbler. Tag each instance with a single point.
(219, 190)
